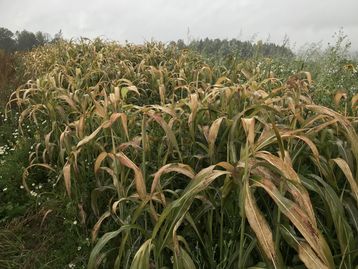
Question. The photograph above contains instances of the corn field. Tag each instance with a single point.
(175, 162)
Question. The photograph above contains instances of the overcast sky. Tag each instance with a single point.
(140, 20)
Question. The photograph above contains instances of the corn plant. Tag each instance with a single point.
(180, 163)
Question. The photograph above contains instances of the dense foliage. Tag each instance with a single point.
(242, 49)
(24, 40)
(173, 161)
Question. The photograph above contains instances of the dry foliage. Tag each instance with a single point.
(193, 165)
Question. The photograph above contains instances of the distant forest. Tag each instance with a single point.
(25, 40)
(233, 47)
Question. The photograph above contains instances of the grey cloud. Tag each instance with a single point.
(139, 20)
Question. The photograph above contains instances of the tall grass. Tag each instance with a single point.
(179, 163)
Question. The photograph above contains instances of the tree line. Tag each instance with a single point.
(218, 48)
(221, 48)
(24, 40)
